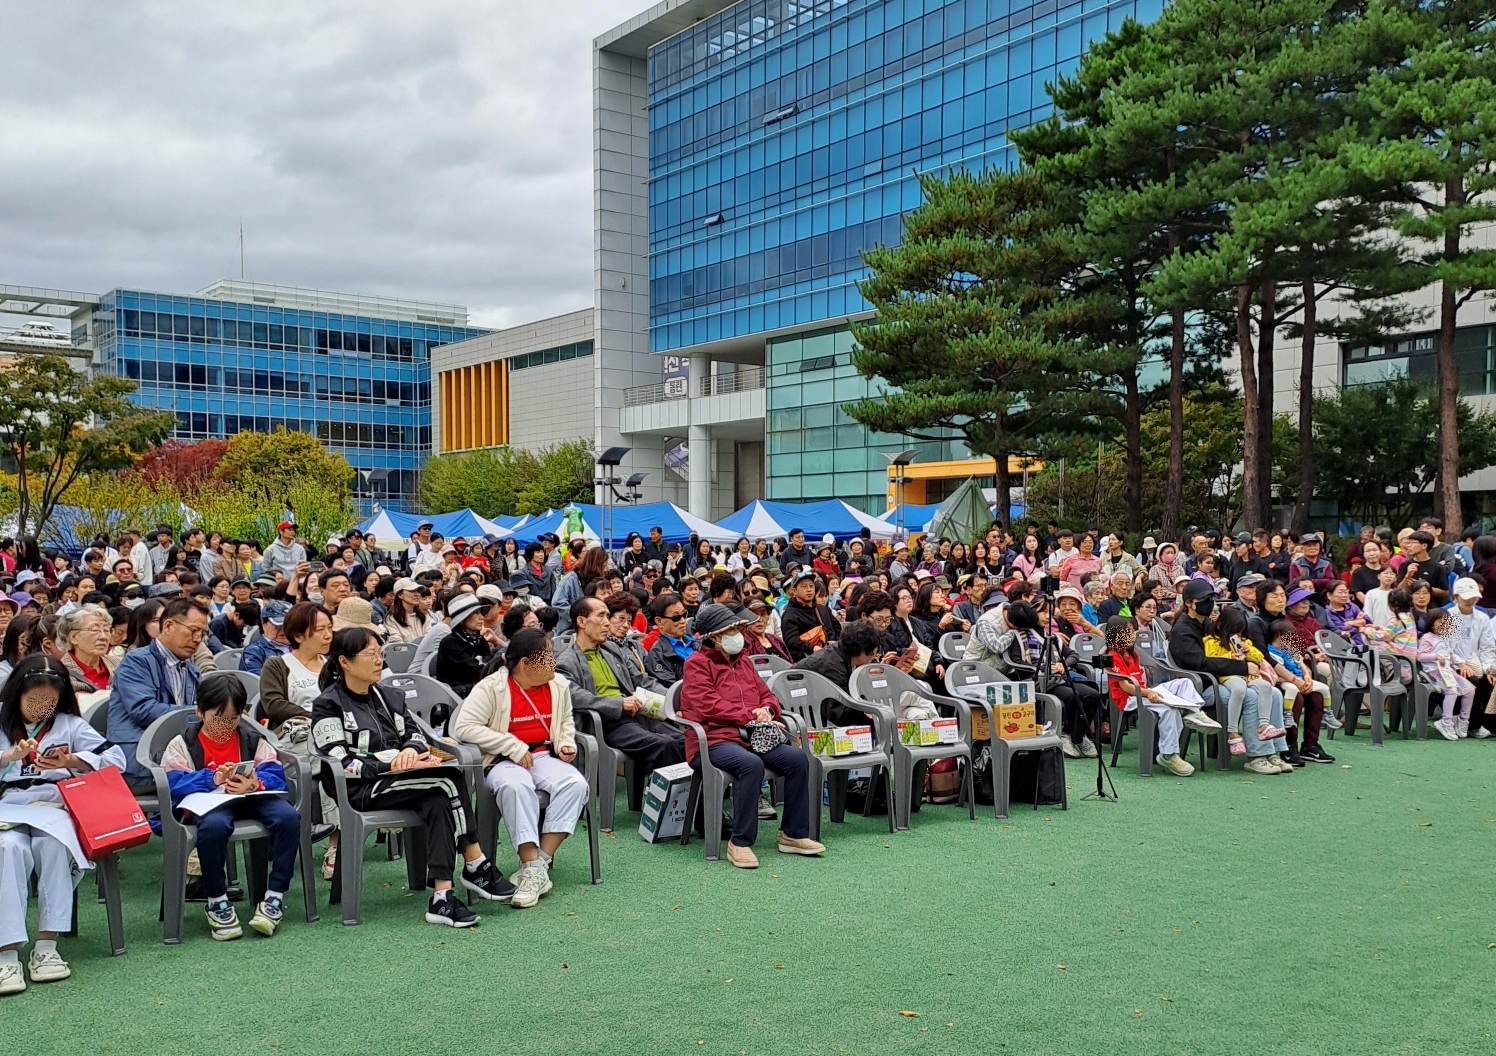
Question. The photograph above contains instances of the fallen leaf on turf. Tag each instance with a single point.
(1061, 967)
(1425, 824)
(779, 967)
(950, 1024)
(1137, 1012)
(674, 908)
(563, 965)
(907, 1014)
(439, 945)
(727, 980)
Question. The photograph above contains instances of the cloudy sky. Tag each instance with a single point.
(438, 149)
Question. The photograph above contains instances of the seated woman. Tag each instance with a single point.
(462, 654)
(204, 758)
(1080, 700)
(364, 728)
(520, 719)
(288, 685)
(722, 691)
(1175, 703)
(43, 740)
(86, 632)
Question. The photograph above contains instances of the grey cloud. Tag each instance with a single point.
(439, 149)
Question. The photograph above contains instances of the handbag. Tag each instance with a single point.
(104, 812)
(764, 737)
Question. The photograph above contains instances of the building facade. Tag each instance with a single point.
(528, 386)
(354, 371)
(745, 155)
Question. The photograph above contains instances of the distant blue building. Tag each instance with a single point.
(746, 154)
(353, 371)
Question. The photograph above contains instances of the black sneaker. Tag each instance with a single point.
(451, 912)
(1293, 759)
(1316, 755)
(487, 882)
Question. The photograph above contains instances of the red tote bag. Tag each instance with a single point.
(104, 812)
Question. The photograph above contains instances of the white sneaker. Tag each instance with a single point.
(11, 979)
(1447, 730)
(1330, 722)
(1481, 734)
(1261, 764)
(1175, 765)
(529, 884)
(1087, 748)
(1198, 720)
(1462, 727)
(47, 966)
(1068, 747)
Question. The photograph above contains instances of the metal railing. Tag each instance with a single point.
(743, 380)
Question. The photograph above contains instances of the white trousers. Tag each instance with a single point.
(25, 850)
(1176, 693)
(518, 792)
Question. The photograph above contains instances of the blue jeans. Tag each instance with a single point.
(280, 820)
(747, 772)
(1252, 708)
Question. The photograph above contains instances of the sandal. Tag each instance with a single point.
(1236, 744)
(1268, 733)
(329, 861)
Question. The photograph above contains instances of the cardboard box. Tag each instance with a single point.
(837, 741)
(930, 731)
(1015, 722)
(981, 729)
(665, 797)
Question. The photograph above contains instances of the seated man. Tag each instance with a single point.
(272, 640)
(1119, 601)
(604, 677)
(228, 630)
(155, 679)
(860, 643)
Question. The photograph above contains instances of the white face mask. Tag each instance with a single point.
(731, 644)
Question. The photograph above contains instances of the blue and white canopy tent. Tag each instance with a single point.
(389, 526)
(761, 519)
(675, 524)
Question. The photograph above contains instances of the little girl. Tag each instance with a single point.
(1400, 633)
(1436, 653)
(1227, 640)
(1376, 609)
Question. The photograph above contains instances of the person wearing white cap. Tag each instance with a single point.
(462, 655)
(404, 622)
(1474, 646)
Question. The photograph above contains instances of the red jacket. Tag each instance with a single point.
(721, 693)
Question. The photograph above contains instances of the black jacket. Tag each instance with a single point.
(460, 659)
(832, 665)
(1187, 647)
(797, 619)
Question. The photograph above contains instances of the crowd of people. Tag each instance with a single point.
(547, 639)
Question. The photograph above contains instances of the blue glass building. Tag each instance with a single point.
(783, 138)
(353, 371)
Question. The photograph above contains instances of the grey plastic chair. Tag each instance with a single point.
(250, 680)
(884, 684)
(768, 665)
(803, 693)
(708, 784)
(953, 644)
(609, 759)
(179, 837)
(968, 679)
(106, 869)
(228, 660)
(1344, 658)
(398, 655)
(488, 813)
(422, 696)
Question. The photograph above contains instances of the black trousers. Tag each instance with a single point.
(1478, 716)
(1081, 707)
(440, 797)
(649, 742)
(747, 770)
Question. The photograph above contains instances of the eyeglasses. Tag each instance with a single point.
(374, 655)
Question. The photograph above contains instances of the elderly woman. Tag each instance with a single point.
(722, 691)
(86, 633)
(43, 740)
(462, 655)
(520, 719)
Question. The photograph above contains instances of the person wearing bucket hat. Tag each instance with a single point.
(462, 654)
(722, 693)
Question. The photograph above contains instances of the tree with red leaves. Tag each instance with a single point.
(187, 466)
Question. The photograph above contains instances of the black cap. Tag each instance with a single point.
(1196, 589)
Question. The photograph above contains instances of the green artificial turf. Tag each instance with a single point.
(1342, 909)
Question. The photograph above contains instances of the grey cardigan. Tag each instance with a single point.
(622, 661)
